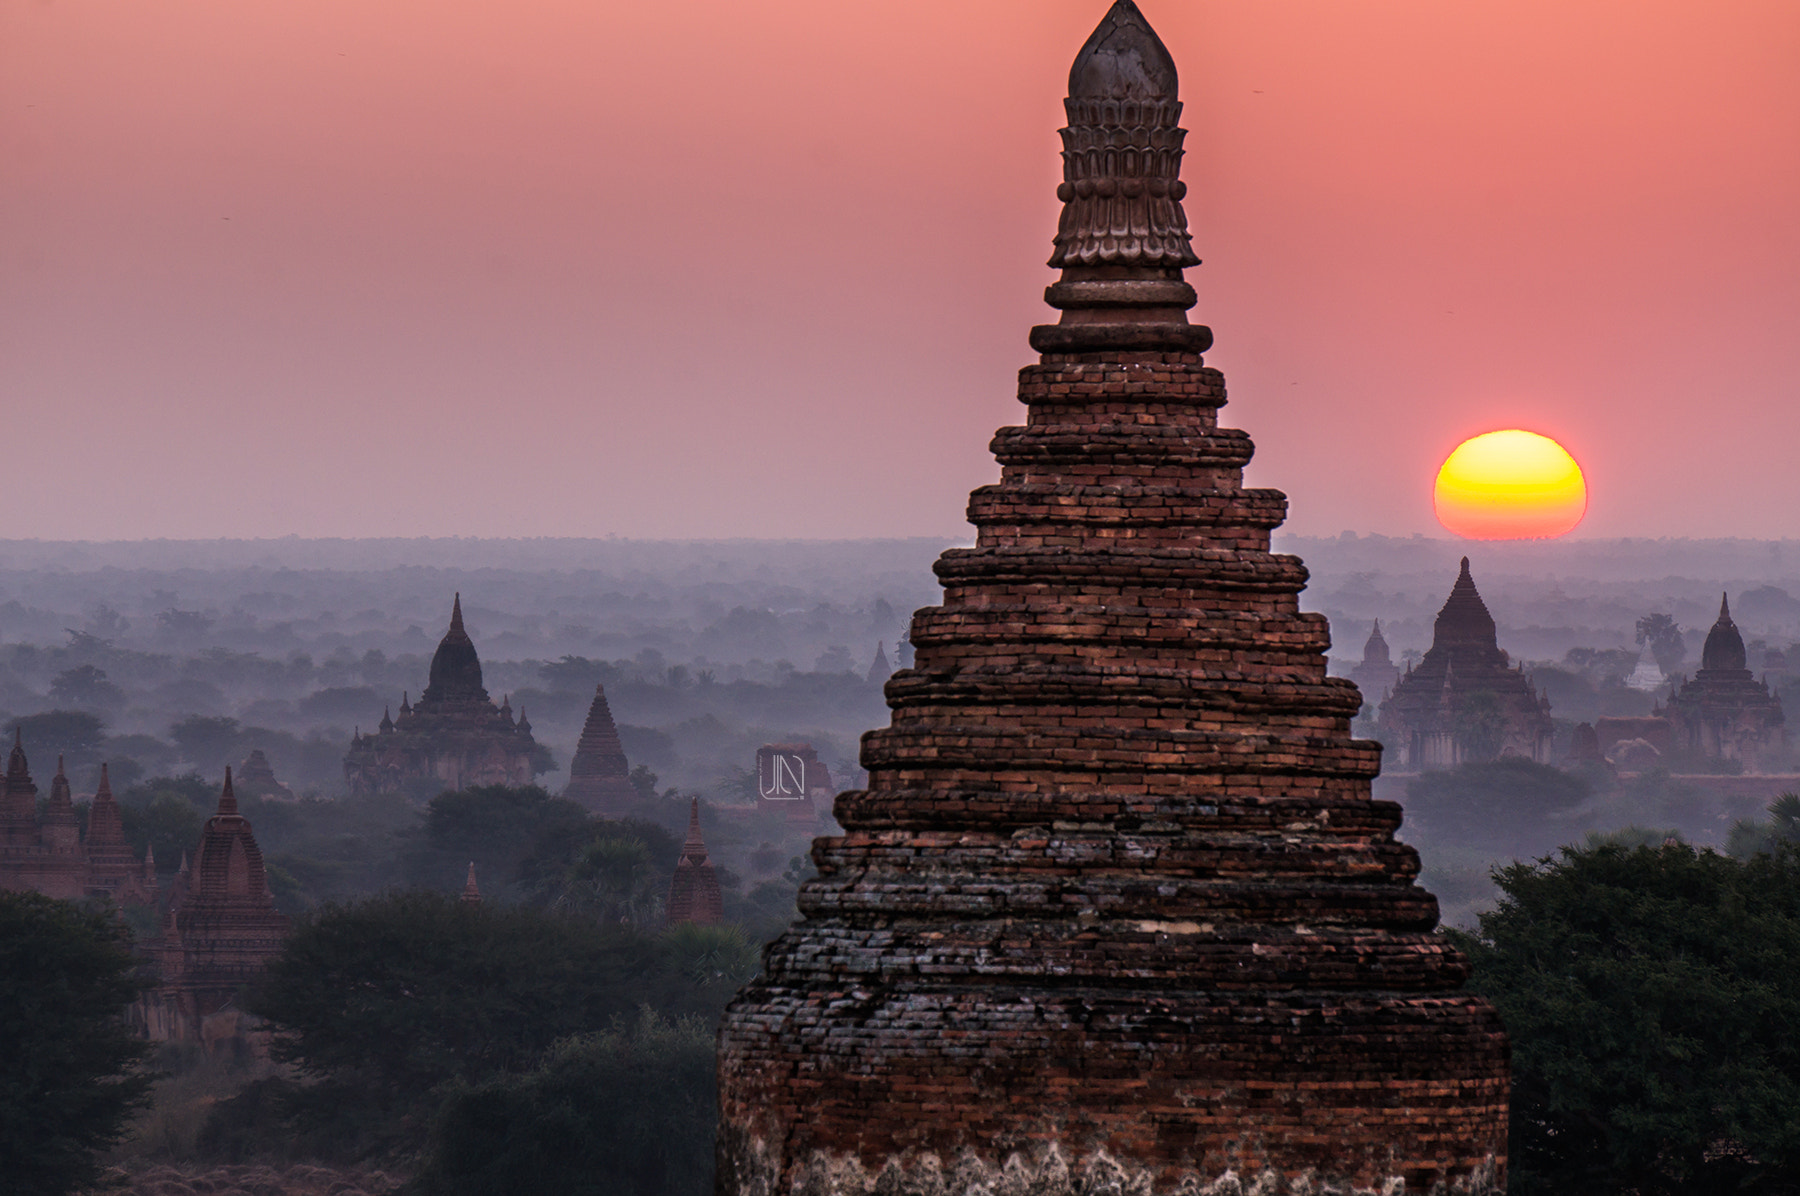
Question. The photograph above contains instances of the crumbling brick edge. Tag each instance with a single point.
(1048, 1174)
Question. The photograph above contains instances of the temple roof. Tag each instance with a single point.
(61, 807)
(1465, 618)
(1375, 651)
(106, 827)
(18, 769)
(1724, 651)
(229, 865)
(455, 668)
(693, 850)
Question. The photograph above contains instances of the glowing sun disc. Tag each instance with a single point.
(1511, 485)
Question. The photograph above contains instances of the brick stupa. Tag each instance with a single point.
(1116, 912)
(600, 775)
(694, 894)
(221, 927)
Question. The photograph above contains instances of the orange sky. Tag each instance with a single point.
(373, 267)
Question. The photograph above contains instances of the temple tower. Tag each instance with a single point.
(18, 799)
(1375, 675)
(221, 928)
(1116, 911)
(60, 830)
(1465, 702)
(694, 894)
(455, 737)
(112, 868)
(599, 775)
(1725, 712)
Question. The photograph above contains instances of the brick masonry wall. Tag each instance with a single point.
(1116, 907)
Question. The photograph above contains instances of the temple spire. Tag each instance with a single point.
(471, 894)
(694, 848)
(1724, 648)
(694, 894)
(227, 799)
(1123, 239)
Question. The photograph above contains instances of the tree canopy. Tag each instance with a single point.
(69, 1075)
(1649, 996)
(626, 1112)
(386, 1002)
(1503, 805)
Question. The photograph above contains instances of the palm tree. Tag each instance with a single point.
(613, 880)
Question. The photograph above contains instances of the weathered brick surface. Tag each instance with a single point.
(1116, 912)
(1116, 884)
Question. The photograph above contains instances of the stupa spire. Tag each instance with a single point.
(227, 799)
(471, 894)
(106, 826)
(1123, 239)
(1724, 650)
(694, 893)
(600, 775)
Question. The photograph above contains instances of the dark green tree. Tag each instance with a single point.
(1749, 838)
(1663, 634)
(384, 1002)
(1650, 1000)
(499, 827)
(75, 734)
(167, 814)
(627, 1112)
(1481, 724)
(1506, 806)
(614, 880)
(85, 686)
(208, 743)
(70, 1073)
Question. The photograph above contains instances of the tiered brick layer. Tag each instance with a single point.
(1117, 900)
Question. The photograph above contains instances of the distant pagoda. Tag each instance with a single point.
(1116, 912)
(220, 928)
(45, 853)
(455, 736)
(1376, 674)
(694, 894)
(1465, 702)
(1724, 712)
(599, 775)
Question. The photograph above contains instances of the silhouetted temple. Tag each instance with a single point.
(256, 778)
(220, 927)
(599, 775)
(455, 735)
(1376, 675)
(694, 894)
(1465, 701)
(1116, 912)
(879, 668)
(46, 854)
(1724, 712)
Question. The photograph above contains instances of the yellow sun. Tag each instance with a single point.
(1511, 485)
